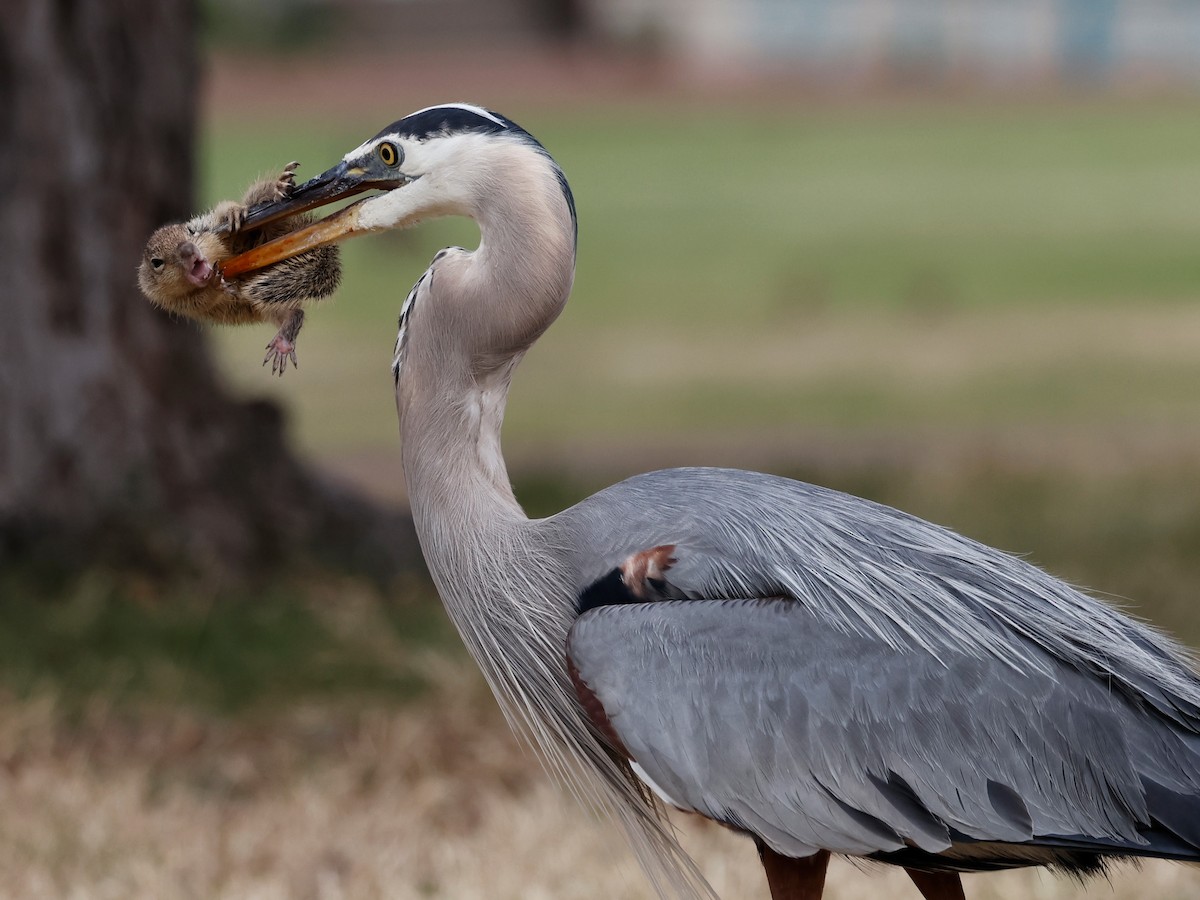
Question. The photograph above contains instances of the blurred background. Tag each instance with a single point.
(938, 253)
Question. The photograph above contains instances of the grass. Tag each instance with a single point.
(229, 654)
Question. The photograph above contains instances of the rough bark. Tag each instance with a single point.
(116, 438)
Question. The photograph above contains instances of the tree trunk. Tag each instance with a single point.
(116, 438)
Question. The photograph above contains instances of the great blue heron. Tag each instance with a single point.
(816, 671)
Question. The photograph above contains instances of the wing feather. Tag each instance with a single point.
(765, 715)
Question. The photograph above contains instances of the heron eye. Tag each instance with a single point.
(157, 263)
(389, 153)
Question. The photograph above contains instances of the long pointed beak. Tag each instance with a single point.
(339, 226)
(338, 183)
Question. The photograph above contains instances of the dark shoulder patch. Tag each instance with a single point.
(640, 578)
(607, 591)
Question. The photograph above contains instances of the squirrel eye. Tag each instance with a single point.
(389, 153)
(156, 262)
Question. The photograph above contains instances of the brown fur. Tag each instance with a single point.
(275, 294)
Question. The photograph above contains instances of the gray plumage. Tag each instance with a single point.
(818, 671)
(911, 688)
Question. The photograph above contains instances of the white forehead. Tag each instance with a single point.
(368, 147)
(363, 148)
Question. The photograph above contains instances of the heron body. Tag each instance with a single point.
(816, 671)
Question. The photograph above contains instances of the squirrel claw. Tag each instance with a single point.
(279, 351)
(286, 183)
(237, 218)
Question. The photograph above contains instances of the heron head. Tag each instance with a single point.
(438, 161)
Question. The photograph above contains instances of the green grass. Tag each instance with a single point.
(103, 637)
(704, 234)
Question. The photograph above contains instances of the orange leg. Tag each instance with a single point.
(937, 885)
(794, 879)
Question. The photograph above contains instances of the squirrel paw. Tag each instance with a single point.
(286, 183)
(236, 217)
(279, 351)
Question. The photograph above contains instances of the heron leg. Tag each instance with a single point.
(794, 879)
(938, 885)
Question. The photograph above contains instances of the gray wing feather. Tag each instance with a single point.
(765, 715)
(872, 570)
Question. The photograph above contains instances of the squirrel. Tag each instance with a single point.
(179, 270)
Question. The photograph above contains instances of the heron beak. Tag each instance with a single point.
(338, 183)
(342, 181)
(342, 224)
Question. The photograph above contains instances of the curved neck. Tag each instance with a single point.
(453, 465)
(471, 321)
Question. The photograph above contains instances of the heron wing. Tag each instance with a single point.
(873, 570)
(909, 688)
(767, 716)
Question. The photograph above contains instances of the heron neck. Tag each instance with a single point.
(453, 465)
(480, 312)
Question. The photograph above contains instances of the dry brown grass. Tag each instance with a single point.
(433, 800)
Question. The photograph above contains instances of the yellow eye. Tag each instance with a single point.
(389, 153)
